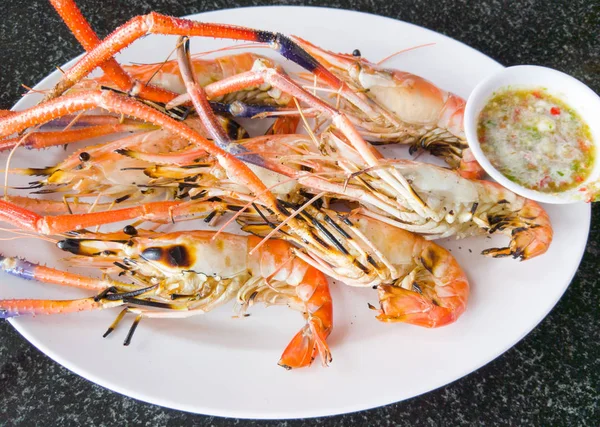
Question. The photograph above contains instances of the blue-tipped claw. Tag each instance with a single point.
(240, 109)
(18, 267)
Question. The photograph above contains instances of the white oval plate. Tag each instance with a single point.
(228, 367)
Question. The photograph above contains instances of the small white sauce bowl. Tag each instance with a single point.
(570, 90)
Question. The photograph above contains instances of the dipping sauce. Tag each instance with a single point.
(536, 140)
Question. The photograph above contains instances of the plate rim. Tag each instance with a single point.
(198, 409)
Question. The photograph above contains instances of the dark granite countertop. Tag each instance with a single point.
(552, 377)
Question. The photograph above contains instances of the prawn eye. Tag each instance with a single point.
(85, 156)
(130, 230)
(356, 52)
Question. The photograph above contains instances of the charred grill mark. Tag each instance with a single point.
(183, 194)
(361, 266)
(199, 195)
(235, 131)
(499, 226)
(42, 171)
(345, 220)
(183, 296)
(123, 198)
(122, 296)
(148, 303)
(282, 208)
(195, 165)
(317, 204)
(176, 256)
(134, 326)
(121, 266)
(474, 208)
(308, 217)
(339, 229)
(184, 185)
(320, 241)
(269, 223)
(519, 230)
(210, 216)
(497, 253)
(330, 236)
(104, 293)
(372, 261)
(430, 258)
(252, 297)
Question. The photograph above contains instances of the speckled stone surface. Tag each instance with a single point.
(552, 377)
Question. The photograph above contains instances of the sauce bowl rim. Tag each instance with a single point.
(514, 77)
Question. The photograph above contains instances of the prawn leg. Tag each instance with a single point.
(432, 297)
(159, 212)
(155, 23)
(183, 274)
(39, 140)
(340, 120)
(30, 271)
(85, 35)
(87, 100)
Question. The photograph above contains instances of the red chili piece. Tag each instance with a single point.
(555, 111)
(544, 181)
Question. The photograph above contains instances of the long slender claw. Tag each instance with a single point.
(74, 19)
(19, 307)
(38, 140)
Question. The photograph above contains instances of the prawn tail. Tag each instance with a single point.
(402, 305)
(531, 233)
(309, 342)
(468, 167)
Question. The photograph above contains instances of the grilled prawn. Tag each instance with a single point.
(412, 110)
(183, 274)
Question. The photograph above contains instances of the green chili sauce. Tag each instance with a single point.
(536, 140)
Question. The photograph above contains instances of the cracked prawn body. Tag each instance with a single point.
(187, 273)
